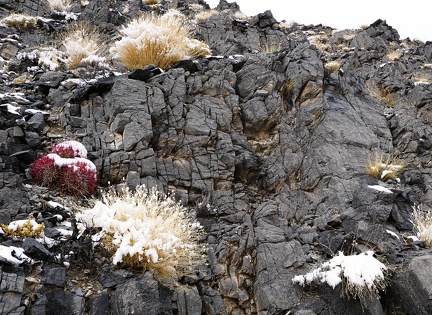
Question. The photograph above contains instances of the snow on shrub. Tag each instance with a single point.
(158, 40)
(20, 21)
(147, 230)
(70, 149)
(361, 275)
(66, 168)
(82, 45)
(23, 229)
(78, 177)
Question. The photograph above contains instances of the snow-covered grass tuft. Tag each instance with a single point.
(60, 5)
(48, 58)
(147, 230)
(23, 228)
(82, 45)
(20, 21)
(158, 40)
(360, 275)
(422, 221)
(384, 169)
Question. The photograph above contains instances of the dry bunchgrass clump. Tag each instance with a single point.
(23, 228)
(158, 40)
(204, 15)
(393, 55)
(422, 222)
(270, 48)
(20, 21)
(384, 169)
(239, 15)
(60, 5)
(332, 66)
(147, 230)
(422, 78)
(82, 45)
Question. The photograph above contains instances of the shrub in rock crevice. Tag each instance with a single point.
(148, 231)
(66, 168)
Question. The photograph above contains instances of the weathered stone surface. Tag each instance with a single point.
(267, 143)
(141, 295)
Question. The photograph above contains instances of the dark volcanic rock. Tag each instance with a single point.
(268, 140)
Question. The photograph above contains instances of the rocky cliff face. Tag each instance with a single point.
(268, 139)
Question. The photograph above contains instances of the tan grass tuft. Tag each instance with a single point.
(82, 45)
(60, 5)
(149, 231)
(204, 15)
(422, 222)
(393, 55)
(158, 40)
(384, 168)
(20, 21)
(332, 66)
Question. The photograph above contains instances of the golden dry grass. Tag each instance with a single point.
(393, 55)
(158, 40)
(422, 222)
(20, 21)
(384, 168)
(332, 66)
(422, 78)
(24, 228)
(204, 15)
(81, 41)
(148, 231)
(60, 5)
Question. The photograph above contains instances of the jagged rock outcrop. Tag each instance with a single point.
(267, 143)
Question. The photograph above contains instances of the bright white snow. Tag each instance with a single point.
(360, 270)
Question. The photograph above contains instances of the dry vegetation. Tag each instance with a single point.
(82, 45)
(20, 21)
(158, 40)
(23, 228)
(60, 5)
(384, 168)
(147, 230)
(422, 221)
(393, 55)
(332, 66)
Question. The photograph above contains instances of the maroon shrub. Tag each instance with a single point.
(45, 172)
(78, 179)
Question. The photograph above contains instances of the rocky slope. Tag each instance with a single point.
(268, 140)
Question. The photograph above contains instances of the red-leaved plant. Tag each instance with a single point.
(66, 168)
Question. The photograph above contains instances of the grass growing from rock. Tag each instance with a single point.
(82, 45)
(148, 231)
(383, 168)
(422, 221)
(20, 21)
(158, 40)
(60, 5)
